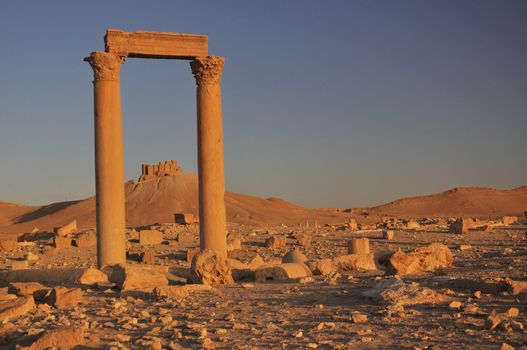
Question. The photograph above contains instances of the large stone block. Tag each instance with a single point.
(60, 242)
(128, 277)
(353, 262)
(281, 272)
(65, 230)
(156, 44)
(185, 219)
(14, 308)
(74, 276)
(421, 260)
(64, 298)
(8, 244)
(359, 246)
(150, 237)
(58, 338)
(86, 240)
(210, 268)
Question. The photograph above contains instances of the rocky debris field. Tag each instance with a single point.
(413, 284)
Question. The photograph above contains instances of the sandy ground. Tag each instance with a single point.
(290, 314)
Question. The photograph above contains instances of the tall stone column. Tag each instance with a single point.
(212, 216)
(109, 164)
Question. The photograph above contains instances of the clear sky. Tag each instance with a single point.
(325, 103)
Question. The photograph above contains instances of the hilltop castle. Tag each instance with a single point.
(166, 168)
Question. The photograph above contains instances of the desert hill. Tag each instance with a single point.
(469, 201)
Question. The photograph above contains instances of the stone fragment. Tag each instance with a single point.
(388, 234)
(86, 239)
(19, 265)
(234, 244)
(455, 305)
(8, 244)
(191, 253)
(357, 317)
(464, 247)
(509, 220)
(24, 289)
(60, 242)
(150, 237)
(352, 224)
(129, 277)
(180, 291)
(281, 272)
(84, 276)
(208, 267)
(185, 219)
(352, 262)
(66, 229)
(322, 266)
(505, 346)
(275, 242)
(64, 298)
(516, 287)
(421, 260)
(11, 309)
(359, 246)
(256, 262)
(58, 338)
(460, 226)
(147, 257)
(304, 240)
(394, 291)
(294, 256)
(412, 224)
(512, 312)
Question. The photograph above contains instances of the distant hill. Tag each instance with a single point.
(469, 201)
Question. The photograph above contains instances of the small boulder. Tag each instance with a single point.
(129, 277)
(322, 266)
(64, 298)
(281, 272)
(421, 260)
(295, 256)
(66, 229)
(275, 242)
(209, 267)
(150, 237)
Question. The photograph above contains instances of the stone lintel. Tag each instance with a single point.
(156, 44)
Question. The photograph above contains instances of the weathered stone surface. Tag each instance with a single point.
(129, 277)
(393, 291)
(180, 291)
(150, 237)
(388, 234)
(209, 267)
(516, 287)
(295, 256)
(60, 338)
(352, 262)
(322, 266)
(65, 230)
(17, 307)
(421, 260)
(275, 242)
(83, 276)
(8, 244)
(24, 289)
(60, 242)
(86, 239)
(509, 220)
(460, 226)
(19, 264)
(185, 219)
(147, 257)
(359, 246)
(63, 298)
(281, 272)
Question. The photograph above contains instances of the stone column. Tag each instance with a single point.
(212, 216)
(109, 164)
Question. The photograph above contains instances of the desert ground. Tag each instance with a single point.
(301, 278)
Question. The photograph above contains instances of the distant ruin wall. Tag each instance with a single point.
(166, 168)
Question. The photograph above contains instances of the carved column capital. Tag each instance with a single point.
(207, 70)
(105, 65)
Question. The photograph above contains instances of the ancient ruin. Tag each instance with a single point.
(166, 168)
(109, 163)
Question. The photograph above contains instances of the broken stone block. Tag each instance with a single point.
(180, 291)
(186, 238)
(191, 253)
(63, 298)
(66, 229)
(281, 272)
(412, 224)
(60, 242)
(11, 309)
(460, 226)
(353, 262)
(394, 291)
(359, 246)
(421, 260)
(128, 277)
(234, 244)
(322, 267)
(19, 265)
(516, 287)
(83, 276)
(185, 219)
(24, 289)
(275, 242)
(210, 268)
(8, 244)
(388, 234)
(295, 256)
(58, 338)
(304, 240)
(150, 237)
(147, 257)
(86, 239)
(509, 220)
(256, 262)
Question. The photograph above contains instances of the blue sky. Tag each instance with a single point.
(325, 103)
